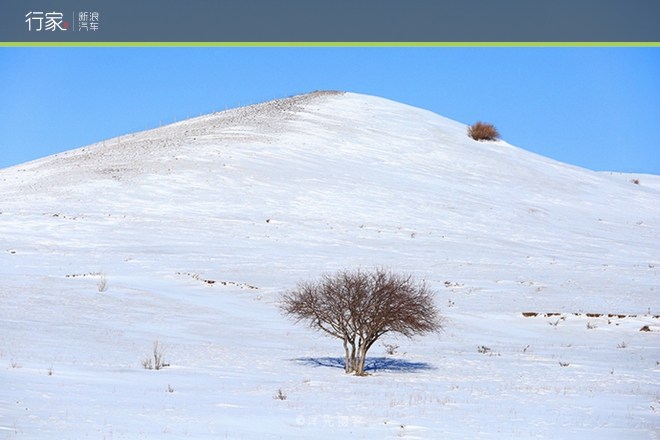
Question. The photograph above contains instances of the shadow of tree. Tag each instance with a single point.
(371, 364)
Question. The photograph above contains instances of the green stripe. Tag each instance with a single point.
(331, 44)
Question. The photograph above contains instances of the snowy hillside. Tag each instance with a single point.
(184, 234)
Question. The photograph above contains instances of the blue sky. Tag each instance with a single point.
(598, 108)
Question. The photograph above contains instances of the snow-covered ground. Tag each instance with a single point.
(195, 227)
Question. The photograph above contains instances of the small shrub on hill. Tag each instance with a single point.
(483, 132)
(156, 362)
(103, 282)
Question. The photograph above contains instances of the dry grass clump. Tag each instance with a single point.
(483, 132)
(103, 282)
(157, 362)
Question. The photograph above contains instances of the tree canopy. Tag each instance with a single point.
(359, 306)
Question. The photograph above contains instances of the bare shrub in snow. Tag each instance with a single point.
(391, 349)
(155, 361)
(483, 132)
(280, 395)
(358, 307)
(487, 351)
(103, 282)
(148, 363)
(556, 323)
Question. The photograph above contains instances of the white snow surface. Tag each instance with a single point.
(260, 197)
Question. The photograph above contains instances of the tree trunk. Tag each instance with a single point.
(353, 360)
(363, 355)
(359, 362)
(348, 364)
(363, 349)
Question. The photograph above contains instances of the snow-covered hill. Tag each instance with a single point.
(194, 227)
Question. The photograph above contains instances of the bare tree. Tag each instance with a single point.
(360, 306)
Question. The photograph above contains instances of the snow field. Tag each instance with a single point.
(196, 227)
